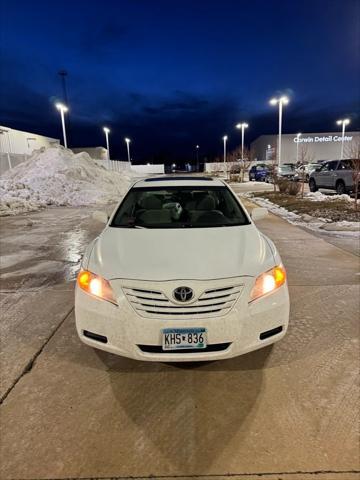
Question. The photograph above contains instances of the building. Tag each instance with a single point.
(306, 147)
(97, 153)
(22, 143)
(17, 146)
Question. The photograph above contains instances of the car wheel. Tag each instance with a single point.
(340, 187)
(312, 185)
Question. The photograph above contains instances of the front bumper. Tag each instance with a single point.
(129, 334)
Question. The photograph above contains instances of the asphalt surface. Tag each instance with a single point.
(68, 411)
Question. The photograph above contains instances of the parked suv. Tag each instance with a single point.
(335, 175)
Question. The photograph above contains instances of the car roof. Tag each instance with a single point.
(178, 181)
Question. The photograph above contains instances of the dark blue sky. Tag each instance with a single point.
(170, 74)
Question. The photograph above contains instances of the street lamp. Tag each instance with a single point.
(281, 101)
(197, 157)
(127, 140)
(225, 137)
(242, 126)
(297, 146)
(107, 131)
(62, 109)
(343, 122)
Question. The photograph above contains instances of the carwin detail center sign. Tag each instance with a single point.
(325, 138)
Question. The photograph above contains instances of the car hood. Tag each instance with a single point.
(174, 254)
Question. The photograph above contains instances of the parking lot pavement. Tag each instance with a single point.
(40, 254)
(286, 412)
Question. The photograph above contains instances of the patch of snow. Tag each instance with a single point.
(341, 228)
(272, 207)
(57, 176)
(320, 197)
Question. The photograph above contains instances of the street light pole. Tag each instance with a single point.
(197, 157)
(63, 109)
(297, 147)
(242, 126)
(127, 140)
(107, 131)
(225, 137)
(281, 101)
(343, 122)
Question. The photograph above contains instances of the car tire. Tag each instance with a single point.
(312, 185)
(340, 187)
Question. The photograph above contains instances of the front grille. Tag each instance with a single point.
(216, 347)
(154, 303)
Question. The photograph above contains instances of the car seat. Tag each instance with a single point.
(151, 212)
(204, 206)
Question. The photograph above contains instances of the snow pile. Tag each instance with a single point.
(57, 176)
(320, 197)
(343, 226)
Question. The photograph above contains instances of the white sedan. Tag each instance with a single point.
(181, 273)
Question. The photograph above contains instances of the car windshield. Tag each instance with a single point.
(179, 207)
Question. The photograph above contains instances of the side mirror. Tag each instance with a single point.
(101, 217)
(317, 169)
(258, 213)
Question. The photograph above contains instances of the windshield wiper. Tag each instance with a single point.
(128, 226)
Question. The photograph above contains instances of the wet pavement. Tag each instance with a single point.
(289, 411)
(45, 248)
(40, 256)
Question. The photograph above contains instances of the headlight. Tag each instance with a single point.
(95, 285)
(268, 282)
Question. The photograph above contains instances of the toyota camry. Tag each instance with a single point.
(181, 273)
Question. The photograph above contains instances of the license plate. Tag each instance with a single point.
(182, 338)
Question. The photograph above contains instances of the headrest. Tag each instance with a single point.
(206, 203)
(151, 202)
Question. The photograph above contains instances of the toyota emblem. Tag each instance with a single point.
(183, 294)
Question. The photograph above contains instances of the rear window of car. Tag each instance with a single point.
(348, 165)
(179, 207)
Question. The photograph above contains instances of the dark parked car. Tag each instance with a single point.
(259, 173)
(336, 175)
